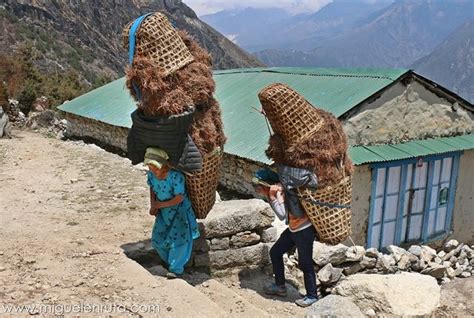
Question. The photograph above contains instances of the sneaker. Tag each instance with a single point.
(171, 275)
(306, 301)
(273, 289)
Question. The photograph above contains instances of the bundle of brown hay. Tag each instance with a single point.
(324, 151)
(190, 86)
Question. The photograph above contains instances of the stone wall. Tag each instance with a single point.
(236, 235)
(405, 113)
(238, 173)
(106, 134)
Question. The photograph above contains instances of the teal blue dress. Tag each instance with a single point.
(175, 227)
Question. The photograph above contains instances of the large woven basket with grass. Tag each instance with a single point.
(202, 185)
(291, 116)
(157, 40)
(329, 210)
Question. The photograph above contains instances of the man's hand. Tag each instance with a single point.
(275, 189)
(153, 211)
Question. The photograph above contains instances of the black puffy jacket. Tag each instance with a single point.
(167, 133)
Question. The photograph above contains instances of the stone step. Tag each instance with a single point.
(250, 288)
(175, 296)
(228, 300)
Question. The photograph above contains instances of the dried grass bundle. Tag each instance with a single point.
(325, 152)
(191, 85)
(206, 129)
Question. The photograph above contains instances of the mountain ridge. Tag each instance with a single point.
(87, 38)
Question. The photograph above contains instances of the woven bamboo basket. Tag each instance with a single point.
(333, 224)
(290, 115)
(158, 40)
(202, 186)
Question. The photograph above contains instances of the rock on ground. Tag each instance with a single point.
(232, 217)
(334, 306)
(404, 294)
(324, 254)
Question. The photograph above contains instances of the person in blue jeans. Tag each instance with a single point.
(300, 234)
(175, 225)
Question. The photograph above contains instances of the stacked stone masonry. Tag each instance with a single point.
(236, 235)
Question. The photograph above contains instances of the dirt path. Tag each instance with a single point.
(66, 211)
(67, 208)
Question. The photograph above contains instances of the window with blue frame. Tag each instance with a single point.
(412, 200)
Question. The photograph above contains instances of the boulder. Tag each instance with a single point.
(355, 253)
(220, 243)
(450, 273)
(406, 260)
(427, 253)
(435, 270)
(372, 252)
(250, 255)
(353, 268)
(269, 235)
(368, 262)
(201, 245)
(468, 251)
(419, 265)
(324, 254)
(396, 252)
(385, 263)
(5, 126)
(244, 239)
(42, 119)
(404, 294)
(334, 306)
(450, 245)
(415, 250)
(235, 216)
(329, 275)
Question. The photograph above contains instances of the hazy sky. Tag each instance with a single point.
(202, 7)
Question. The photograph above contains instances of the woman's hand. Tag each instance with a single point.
(153, 211)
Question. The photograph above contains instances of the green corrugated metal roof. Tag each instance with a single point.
(110, 104)
(335, 90)
(412, 149)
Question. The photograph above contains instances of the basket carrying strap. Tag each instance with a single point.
(325, 204)
(131, 47)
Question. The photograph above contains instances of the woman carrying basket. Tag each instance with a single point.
(175, 224)
(300, 232)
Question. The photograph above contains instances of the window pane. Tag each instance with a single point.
(436, 171)
(393, 179)
(378, 210)
(416, 222)
(409, 176)
(446, 173)
(379, 190)
(441, 221)
(391, 208)
(434, 197)
(420, 176)
(431, 222)
(388, 234)
(407, 201)
(375, 239)
(404, 228)
(418, 201)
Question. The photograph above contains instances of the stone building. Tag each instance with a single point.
(412, 142)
